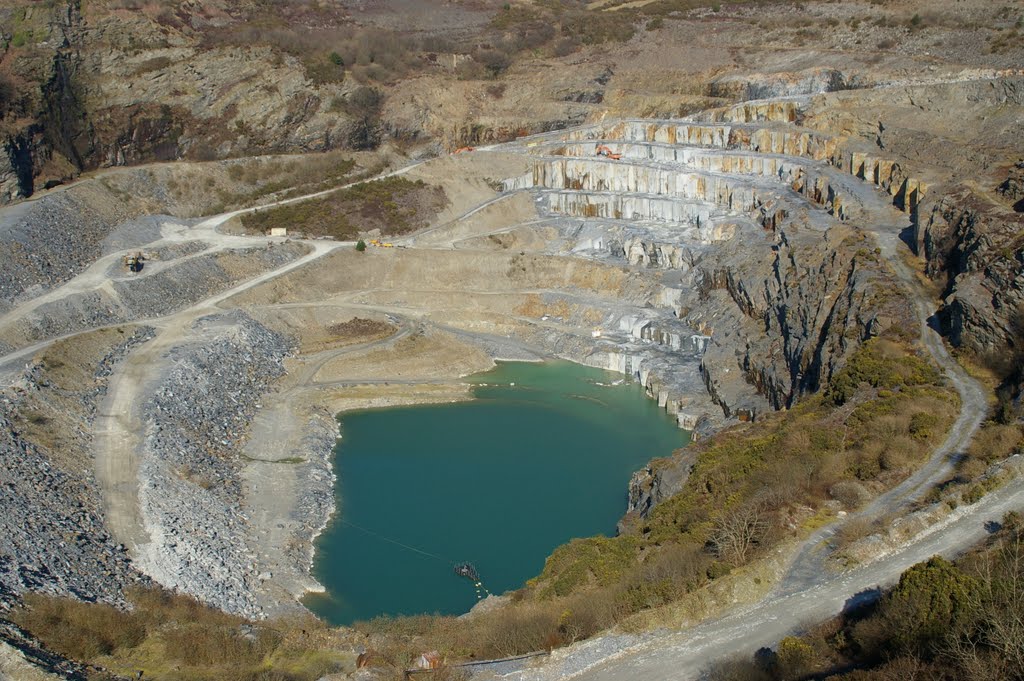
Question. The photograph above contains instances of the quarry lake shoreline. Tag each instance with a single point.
(266, 495)
(568, 435)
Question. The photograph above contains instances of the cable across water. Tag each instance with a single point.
(397, 543)
(481, 590)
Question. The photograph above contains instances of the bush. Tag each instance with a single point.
(82, 631)
(795, 658)
(581, 562)
(494, 61)
(931, 599)
(874, 364)
(217, 645)
(360, 245)
(165, 630)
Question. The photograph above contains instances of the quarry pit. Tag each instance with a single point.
(730, 262)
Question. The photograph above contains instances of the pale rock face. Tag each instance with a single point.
(770, 85)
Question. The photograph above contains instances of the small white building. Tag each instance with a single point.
(278, 231)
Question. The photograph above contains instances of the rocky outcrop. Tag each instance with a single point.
(16, 166)
(974, 246)
(786, 322)
(114, 88)
(659, 480)
(766, 85)
(1012, 188)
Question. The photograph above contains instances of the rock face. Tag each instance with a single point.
(764, 86)
(974, 246)
(117, 88)
(1012, 188)
(785, 324)
(661, 479)
(759, 221)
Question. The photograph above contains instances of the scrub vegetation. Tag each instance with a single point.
(173, 636)
(394, 205)
(943, 620)
(260, 178)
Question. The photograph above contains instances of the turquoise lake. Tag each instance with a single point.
(543, 454)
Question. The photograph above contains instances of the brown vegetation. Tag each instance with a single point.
(393, 205)
(172, 636)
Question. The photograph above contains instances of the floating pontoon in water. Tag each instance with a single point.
(468, 571)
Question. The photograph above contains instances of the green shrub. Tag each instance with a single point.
(582, 562)
(875, 363)
(931, 598)
(22, 38)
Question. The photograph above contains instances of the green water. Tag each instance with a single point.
(499, 481)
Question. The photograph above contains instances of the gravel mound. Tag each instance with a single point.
(51, 242)
(189, 282)
(177, 286)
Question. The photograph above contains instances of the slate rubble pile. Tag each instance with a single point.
(52, 534)
(190, 494)
(314, 507)
(178, 286)
(51, 241)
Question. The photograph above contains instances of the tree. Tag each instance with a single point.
(990, 644)
(336, 59)
(365, 106)
(738, 532)
(360, 245)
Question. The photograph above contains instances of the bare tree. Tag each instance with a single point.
(738, 532)
(991, 644)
